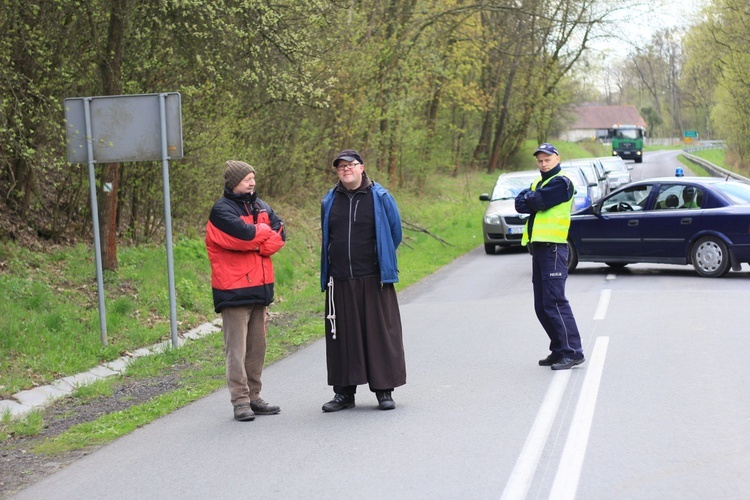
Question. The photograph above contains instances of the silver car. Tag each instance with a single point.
(594, 172)
(502, 225)
(617, 170)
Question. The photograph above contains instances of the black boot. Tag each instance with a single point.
(339, 402)
(385, 401)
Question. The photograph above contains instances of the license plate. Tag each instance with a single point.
(515, 230)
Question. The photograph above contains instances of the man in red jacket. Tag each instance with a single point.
(241, 235)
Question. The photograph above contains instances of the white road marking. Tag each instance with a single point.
(520, 479)
(523, 473)
(569, 473)
(601, 307)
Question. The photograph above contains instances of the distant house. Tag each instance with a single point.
(593, 122)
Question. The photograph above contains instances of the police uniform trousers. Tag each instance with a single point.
(550, 271)
(368, 348)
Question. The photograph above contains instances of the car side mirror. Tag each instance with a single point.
(596, 209)
(484, 197)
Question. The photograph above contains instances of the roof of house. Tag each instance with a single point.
(599, 117)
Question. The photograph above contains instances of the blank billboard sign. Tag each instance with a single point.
(124, 128)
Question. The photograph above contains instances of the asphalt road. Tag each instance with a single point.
(661, 408)
(658, 164)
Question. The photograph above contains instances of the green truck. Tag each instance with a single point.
(627, 142)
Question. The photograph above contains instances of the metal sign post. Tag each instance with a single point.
(95, 217)
(145, 127)
(168, 216)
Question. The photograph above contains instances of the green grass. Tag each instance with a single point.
(51, 327)
(97, 389)
(715, 156)
(31, 425)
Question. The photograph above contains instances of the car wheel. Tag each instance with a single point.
(710, 257)
(572, 257)
(489, 248)
(616, 265)
(639, 159)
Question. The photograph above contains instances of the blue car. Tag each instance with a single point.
(584, 190)
(673, 220)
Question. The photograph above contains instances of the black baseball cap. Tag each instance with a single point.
(348, 155)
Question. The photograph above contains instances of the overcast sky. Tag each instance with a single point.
(637, 24)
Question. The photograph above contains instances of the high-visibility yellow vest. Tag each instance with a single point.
(550, 226)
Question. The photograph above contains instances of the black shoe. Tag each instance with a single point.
(243, 412)
(566, 363)
(385, 401)
(260, 407)
(550, 360)
(339, 402)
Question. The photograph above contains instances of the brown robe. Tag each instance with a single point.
(368, 348)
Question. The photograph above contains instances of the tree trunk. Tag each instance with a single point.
(484, 139)
(111, 72)
(23, 176)
(500, 131)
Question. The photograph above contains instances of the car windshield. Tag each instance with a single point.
(737, 192)
(627, 133)
(507, 188)
(615, 166)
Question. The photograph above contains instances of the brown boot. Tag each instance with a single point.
(243, 412)
(260, 407)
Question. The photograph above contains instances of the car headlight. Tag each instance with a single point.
(492, 219)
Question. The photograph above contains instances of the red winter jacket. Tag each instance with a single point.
(241, 235)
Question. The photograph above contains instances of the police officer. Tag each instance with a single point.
(688, 198)
(546, 233)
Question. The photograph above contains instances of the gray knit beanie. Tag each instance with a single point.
(236, 171)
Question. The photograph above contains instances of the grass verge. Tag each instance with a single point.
(716, 156)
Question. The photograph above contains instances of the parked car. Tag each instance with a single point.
(618, 172)
(586, 190)
(502, 225)
(583, 195)
(670, 220)
(594, 171)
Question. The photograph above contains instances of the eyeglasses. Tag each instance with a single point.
(346, 166)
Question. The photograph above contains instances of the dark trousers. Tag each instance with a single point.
(550, 270)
